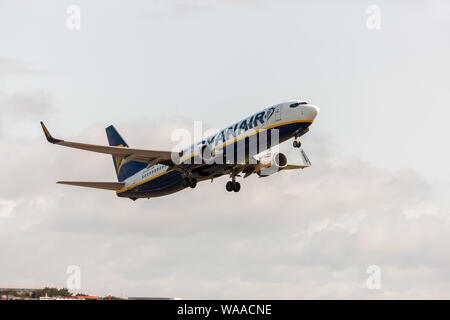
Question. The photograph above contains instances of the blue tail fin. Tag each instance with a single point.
(128, 169)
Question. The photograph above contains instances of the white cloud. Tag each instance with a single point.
(11, 67)
(18, 106)
(307, 234)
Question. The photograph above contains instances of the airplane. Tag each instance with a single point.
(235, 150)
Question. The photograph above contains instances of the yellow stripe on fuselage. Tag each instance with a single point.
(144, 181)
(224, 145)
(260, 130)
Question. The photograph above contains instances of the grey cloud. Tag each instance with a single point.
(307, 234)
(23, 108)
(22, 105)
(12, 67)
(27, 105)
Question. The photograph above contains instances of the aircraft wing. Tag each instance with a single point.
(295, 166)
(97, 185)
(129, 154)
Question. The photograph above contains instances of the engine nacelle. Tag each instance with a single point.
(271, 163)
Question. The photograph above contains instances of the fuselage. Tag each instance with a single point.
(282, 121)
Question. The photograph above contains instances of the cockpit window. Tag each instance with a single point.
(296, 104)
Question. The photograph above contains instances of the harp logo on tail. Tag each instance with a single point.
(119, 160)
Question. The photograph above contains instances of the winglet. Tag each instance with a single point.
(48, 135)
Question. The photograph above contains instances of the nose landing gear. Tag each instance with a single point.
(297, 143)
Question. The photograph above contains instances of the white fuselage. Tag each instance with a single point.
(278, 116)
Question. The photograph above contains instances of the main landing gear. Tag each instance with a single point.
(233, 185)
(189, 182)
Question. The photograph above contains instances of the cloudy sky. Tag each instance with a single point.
(377, 193)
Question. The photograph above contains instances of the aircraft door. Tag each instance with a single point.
(277, 113)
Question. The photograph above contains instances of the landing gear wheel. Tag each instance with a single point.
(236, 187)
(297, 144)
(229, 186)
(186, 182)
(189, 182)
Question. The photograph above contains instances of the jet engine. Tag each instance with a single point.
(270, 164)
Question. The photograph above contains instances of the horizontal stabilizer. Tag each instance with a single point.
(97, 185)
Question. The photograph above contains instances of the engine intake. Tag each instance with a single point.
(271, 163)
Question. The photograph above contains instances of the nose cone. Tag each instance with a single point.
(310, 112)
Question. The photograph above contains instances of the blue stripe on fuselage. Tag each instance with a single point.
(171, 182)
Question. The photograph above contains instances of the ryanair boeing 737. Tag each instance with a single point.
(234, 151)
